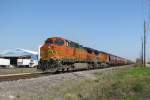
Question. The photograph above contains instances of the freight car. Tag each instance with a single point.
(59, 54)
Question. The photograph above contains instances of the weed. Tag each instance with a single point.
(138, 87)
(69, 96)
(17, 97)
(128, 98)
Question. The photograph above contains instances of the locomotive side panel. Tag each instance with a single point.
(91, 55)
(75, 52)
(103, 57)
(69, 55)
(80, 55)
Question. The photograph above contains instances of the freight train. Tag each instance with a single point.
(59, 54)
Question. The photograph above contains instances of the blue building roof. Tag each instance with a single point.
(18, 53)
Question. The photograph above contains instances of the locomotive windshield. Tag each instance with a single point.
(59, 42)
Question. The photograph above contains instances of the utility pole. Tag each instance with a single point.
(144, 44)
(142, 51)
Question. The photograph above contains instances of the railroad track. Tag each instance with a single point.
(13, 77)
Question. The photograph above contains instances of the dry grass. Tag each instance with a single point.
(125, 84)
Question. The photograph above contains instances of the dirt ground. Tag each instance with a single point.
(4, 71)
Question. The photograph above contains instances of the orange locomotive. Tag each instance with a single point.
(60, 54)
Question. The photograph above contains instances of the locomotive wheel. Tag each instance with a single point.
(63, 69)
(95, 65)
(72, 67)
(89, 66)
(67, 69)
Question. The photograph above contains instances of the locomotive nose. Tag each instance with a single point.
(52, 46)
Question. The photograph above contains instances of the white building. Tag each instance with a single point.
(19, 58)
(4, 62)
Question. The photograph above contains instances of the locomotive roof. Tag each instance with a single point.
(74, 43)
(56, 37)
(97, 51)
(64, 39)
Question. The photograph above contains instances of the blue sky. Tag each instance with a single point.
(114, 26)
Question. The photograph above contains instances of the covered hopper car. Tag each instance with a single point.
(59, 54)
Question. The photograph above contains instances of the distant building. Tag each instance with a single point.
(139, 61)
(19, 58)
(4, 62)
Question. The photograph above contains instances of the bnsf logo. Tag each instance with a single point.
(52, 52)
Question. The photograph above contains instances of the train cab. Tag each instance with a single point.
(53, 48)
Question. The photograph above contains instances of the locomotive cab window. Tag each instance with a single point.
(89, 51)
(59, 42)
(72, 44)
(49, 42)
(96, 52)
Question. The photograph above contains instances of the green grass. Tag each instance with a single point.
(130, 84)
(124, 84)
(139, 71)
